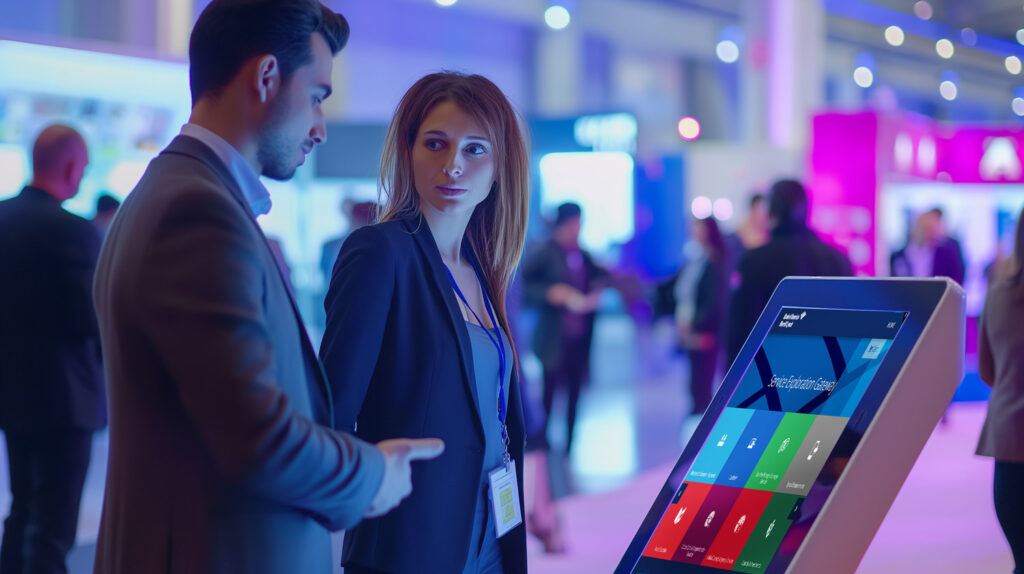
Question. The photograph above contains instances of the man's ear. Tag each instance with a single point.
(68, 174)
(268, 77)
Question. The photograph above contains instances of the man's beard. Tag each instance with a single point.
(272, 149)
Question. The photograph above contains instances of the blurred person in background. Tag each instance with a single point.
(701, 294)
(930, 251)
(1001, 366)
(358, 214)
(542, 518)
(793, 249)
(564, 283)
(106, 208)
(222, 458)
(418, 338)
(751, 233)
(52, 398)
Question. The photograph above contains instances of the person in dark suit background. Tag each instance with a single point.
(106, 208)
(222, 458)
(417, 338)
(565, 283)
(51, 377)
(1001, 366)
(793, 249)
(701, 293)
(930, 251)
(359, 214)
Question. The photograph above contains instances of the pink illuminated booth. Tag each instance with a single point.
(872, 173)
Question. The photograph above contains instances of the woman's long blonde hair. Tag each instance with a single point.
(497, 228)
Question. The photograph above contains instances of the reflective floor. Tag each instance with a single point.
(630, 430)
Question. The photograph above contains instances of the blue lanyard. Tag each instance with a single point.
(502, 407)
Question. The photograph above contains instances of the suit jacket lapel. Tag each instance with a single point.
(442, 287)
(192, 147)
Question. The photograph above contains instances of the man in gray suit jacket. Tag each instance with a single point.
(221, 453)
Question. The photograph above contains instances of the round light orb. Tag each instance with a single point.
(944, 48)
(701, 207)
(863, 77)
(722, 209)
(557, 17)
(948, 90)
(1013, 64)
(1018, 106)
(689, 128)
(445, 3)
(923, 10)
(969, 36)
(727, 51)
(894, 35)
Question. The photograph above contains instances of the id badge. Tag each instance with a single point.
(505, 498)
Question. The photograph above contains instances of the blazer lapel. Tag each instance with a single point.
(194, 148)
(443, 289)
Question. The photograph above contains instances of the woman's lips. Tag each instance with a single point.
(451, 191)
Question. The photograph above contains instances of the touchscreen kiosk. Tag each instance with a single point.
(813, 431)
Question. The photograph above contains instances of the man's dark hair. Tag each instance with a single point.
(106, 203)
(567, 211)
(787, 202)
(230, 32)
(756, 199)
(936, 211)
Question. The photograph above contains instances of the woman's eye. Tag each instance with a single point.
(476, 149)
(434, 145)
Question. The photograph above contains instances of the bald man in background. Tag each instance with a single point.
(51, 384)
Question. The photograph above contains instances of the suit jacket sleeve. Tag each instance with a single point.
(202, 304)
(597, 276)
(746, 305)
(76, 269)
(357, 305)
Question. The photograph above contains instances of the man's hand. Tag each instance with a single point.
(563, 295)
(397, 483)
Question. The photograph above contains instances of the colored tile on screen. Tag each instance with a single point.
(767, 535)
(719, 445)
(810, 457)
(710, 518)
(780, 451)
(751, 446)
(738, 527)
(687, 501)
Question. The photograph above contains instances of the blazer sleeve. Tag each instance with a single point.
(201, 303)
(357, 304)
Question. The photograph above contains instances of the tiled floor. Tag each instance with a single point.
(628, 435)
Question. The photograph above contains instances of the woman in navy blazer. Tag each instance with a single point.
(417, 334)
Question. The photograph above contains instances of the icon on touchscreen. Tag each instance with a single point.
(753, 441)
(785, 443)
(679, 516)
(770, 528)
(739, 524)
(707, 522)
(721, 441)
(814, 451)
